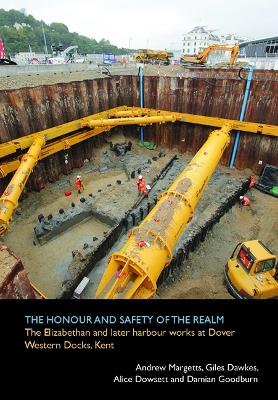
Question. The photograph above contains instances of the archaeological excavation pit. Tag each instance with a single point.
(61, 236)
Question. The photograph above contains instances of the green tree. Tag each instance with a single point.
(59, 27)
(17, 40)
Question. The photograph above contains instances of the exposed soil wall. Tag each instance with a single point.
(14, 282)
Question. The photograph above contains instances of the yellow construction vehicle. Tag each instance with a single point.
(153, 56)
(202, 57)
(251, 272)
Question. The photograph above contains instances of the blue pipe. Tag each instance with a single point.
(242, 114)
(141, 74)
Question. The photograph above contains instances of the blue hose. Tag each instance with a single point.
(141, 75)
(242, 114)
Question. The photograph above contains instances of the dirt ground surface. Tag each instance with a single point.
(223, 184)
(45, 78)
(201, 275)
(47, 264)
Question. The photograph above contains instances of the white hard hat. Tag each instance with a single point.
(78, 176)
(140, 177)
(241, 197)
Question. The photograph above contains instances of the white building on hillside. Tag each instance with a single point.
(199, 38)
(231, 39)
(18, 26)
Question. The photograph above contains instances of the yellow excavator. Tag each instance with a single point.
(202, 57)
(153, 56)
(251, 272)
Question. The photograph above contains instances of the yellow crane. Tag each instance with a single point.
(132, 271)
(202, 57)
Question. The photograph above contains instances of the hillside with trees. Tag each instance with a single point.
(20, 32)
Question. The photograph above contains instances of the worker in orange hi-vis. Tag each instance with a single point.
(244, 201)
(252, 182)
(79, 184)
(124, 61)
(141, 185)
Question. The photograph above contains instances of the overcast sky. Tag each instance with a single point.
(154, 23)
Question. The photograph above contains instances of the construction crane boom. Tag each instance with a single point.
(132, 271)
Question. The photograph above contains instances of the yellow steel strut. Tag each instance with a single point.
(244, 126)
(142, 120)
(9, 199)
(132, 272)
